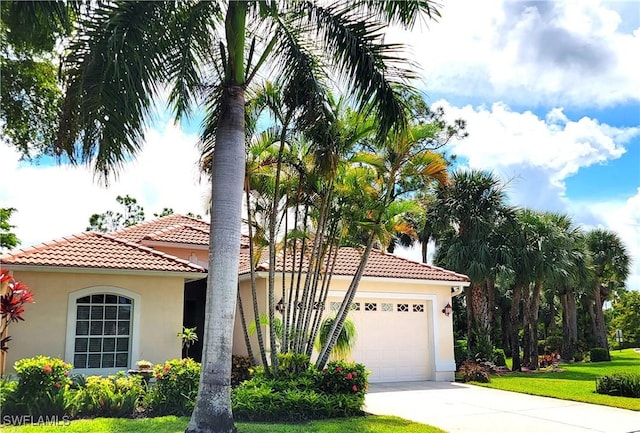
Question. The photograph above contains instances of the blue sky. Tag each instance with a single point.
(550, 92)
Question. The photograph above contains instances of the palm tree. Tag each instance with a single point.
(610, 262)
(125, 52)
(472, 205)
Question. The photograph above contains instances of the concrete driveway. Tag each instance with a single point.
(457, 407)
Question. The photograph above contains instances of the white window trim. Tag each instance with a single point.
(72, 312)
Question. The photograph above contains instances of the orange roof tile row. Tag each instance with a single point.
(123, 250)
(98, 251)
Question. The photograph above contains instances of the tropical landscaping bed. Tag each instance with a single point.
(573, 381)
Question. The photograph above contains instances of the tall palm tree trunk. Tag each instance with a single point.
(514, 319)
(599, 326)
(534, 307)
(212, 412)
(480, 318)
(569, 325)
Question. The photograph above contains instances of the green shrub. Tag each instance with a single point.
(554, 343)
(578, 356)
(43, 385)
(460, 352)
(7, 395)
(262, 403)
(499, 358)
(620, 384)
(113, 396)
(241, 368)
(599, 354)
(175, 388)
(471, 371)
(343, 377)
(293, 363)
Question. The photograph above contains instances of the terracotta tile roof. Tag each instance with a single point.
(173, 228)
(98, 251)
(390, 266)
(180, 234)
(138, 232)
(380, 264)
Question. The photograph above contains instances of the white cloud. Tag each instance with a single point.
(530, 53)
(55, 201)
(623, 217)
(517, 144)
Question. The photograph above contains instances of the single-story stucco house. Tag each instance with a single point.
(105, 301)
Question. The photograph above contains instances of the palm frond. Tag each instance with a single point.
(112, 71)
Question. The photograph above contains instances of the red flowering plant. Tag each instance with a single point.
(341, 377)
(13, 296)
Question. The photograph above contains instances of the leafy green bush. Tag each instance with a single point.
(471, 371)
(460, 352)
(499, 358)
(263, 403)
(43, 385)
(599, 354)
(554, 343)
(175, 388)
(337, 391)
(293, 363)
(343, 377)
(620, 384)
(113, 396)
(241, 368)
(7, 395)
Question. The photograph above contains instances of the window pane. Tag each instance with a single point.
(82, 327)
(80, 361)
(108, 360)
(110, 313)
(110, 328)
(123, 300)
(95, 344)
(122, 345)
(109, 345)
(83, 312)
(122, 359)
(110, 299)
(83, 300)
(81, 344)
(94, 360)
(97, 299)
(96, 328)
(124, 312)
(123, 328)
(97, 312)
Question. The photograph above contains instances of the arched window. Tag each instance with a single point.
(102, 334)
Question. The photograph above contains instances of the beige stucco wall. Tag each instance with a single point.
(45, 326)
(201, 256)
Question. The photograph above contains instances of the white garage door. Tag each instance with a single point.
(394, 339)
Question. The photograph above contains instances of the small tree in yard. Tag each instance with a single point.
(13, 296)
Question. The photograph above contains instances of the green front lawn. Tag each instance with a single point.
(172, 424)
(576, 382)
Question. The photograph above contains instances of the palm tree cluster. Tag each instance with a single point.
(306, 200)
(522, 262)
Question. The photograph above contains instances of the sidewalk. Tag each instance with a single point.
(457, 407)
